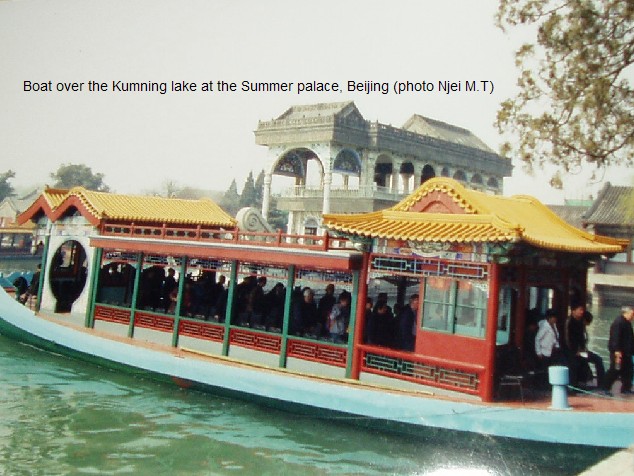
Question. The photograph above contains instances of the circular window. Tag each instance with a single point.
(68, 274)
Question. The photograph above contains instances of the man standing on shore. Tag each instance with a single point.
(621, 347)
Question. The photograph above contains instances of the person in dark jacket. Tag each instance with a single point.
(578, 355)
(381, 326)
(407, 324)
(621, 347)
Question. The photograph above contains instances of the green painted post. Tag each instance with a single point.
(177, 309)
(135, 293)
(352, 323)
(229, 311)
(94, 284)
(290, 282)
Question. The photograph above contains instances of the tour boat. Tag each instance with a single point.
(175, 290)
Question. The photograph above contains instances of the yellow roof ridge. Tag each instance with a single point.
(487, 218)
(461, 195)
(564, 224)
(491, 218)
(101, 205)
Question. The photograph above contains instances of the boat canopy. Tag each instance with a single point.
(97, 207)
(443, 211)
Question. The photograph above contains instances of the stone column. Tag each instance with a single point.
(418, 172)
(291, 223)
(266, 195)
(405, 178)
(327, 184)
(396, 169)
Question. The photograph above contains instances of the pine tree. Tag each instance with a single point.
(73, 175)
(259, 189)
(248, 197)
(231, 199)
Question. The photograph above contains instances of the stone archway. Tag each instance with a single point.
(427, 173)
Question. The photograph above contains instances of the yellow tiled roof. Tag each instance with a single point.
(486, 218)
(54, 196)
(152, 209)
(131, 208)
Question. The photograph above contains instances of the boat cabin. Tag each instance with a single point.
(180, 273)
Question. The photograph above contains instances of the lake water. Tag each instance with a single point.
(60, 416)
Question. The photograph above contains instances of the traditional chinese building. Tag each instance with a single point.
(612, 214)
(363, 166)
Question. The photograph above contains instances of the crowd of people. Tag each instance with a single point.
(548, 343)
(394, 328)
(327, 317)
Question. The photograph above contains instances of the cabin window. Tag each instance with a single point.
(259, 297)
(311, 320)
(116, 283)
(455, 306)
(205, 290)
(68, 273)
(158, 283)
(505, 308)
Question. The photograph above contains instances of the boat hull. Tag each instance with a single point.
(358, 402)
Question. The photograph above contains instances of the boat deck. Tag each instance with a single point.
(590, 399)
(528, 396)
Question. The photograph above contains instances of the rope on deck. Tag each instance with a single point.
(598, 393)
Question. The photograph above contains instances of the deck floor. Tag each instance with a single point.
(589, 400)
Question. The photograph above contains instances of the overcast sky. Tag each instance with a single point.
(205, 139)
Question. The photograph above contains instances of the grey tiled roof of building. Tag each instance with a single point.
(613, 206)
(571, 214)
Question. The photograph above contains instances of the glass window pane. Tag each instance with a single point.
(471, 299)
(438, 304)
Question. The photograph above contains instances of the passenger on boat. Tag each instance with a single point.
(368, 315)
(242, 292)
(202, 292)
(169, 283)
(339, 318)
(305, 316)
(381, 326)
(275, 304)
(21, 286)
(214, 300)
(529, 356)
(407, 324)
(34, 285)
(578, 355)
(547, 343)
(256, 303)
(325, 305)
(382, 298)
(187, 298)
(219, 308)
(621, 347)
(150, 287)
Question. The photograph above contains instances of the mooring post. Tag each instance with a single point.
(558, 378)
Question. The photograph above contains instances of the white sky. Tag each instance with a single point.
(140, 140)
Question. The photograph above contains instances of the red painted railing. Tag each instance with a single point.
(214, 235)
(317, 352)
(201, 330)
(112, 314)
(153, 321)
(419, 369)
